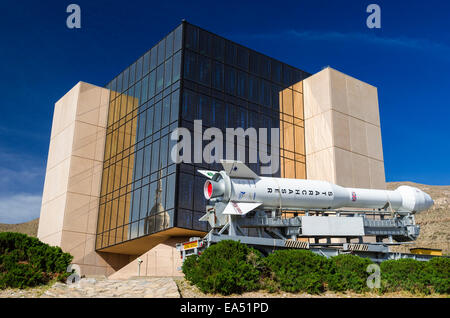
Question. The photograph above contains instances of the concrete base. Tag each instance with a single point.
(162, 260)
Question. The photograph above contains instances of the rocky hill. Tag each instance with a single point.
(29, 228)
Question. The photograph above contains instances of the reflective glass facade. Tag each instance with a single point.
(138, 183)
(191, 74)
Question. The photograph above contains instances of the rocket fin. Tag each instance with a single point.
(207, 173)
(237, 169)
(240, 208)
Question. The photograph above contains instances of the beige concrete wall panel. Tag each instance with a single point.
(318, 133)
(53, 239)
(358, 137)
(52, 218)
(85, 140)
(316, 93)
(377, 174)
(360, 171)
(89, 250)
(99, 154)
(74, 243)
(344, 170)
(341, 130)
(56, 181)
(60, 147)
(353, 132)
(321, 165)
(369, 102)
(338, 83)
(354, 98)
(65, 110)
(80, 175)
(76, 212)
(72, 187)
(374, 146)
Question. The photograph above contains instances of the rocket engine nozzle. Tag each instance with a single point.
(213, 189)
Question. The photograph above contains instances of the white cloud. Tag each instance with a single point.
(360, 37)
(408, 42)
(19, 208)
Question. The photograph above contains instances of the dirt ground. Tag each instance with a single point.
(189, 291)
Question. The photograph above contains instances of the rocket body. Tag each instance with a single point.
(242, 191)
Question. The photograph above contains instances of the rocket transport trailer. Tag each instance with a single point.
(245, 207)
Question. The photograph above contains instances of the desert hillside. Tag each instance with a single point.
(434, 223)
(29, 228)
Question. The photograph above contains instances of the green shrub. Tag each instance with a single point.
(436, 273)
(26, 261)
(403, 274)
(231, 267)
(348, 272)
(226, 267)
(298, 270)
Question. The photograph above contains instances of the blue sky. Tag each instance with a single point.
(408, 59)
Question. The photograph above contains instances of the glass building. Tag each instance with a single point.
(189, 75)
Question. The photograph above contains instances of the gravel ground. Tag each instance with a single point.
(189, 291)
(157, 287)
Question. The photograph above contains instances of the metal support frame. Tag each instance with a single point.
(272, 232)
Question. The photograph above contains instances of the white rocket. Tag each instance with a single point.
(237, 190)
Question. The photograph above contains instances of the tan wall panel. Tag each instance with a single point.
(289, 168)
(70, 209)
(299, 139)
(298, 105)
(342, 130)
(288, 102)
(300, 170)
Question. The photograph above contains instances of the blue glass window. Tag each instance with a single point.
(177, 38)
(152, 84)
(168, 73)
(153, 58)
(132, 74)
(166, 111)
(155, 156)
(159, 78)
(218, 48)
(157, 119)
(242, 84)
(176, 67)
(217, 78)
(230, 80)
(169, 45)
(147, 161)
(146, 66)
(139, 69)
(191, 37)
(204, 68)
(161, 51)
(175, 106)
(190, 66)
